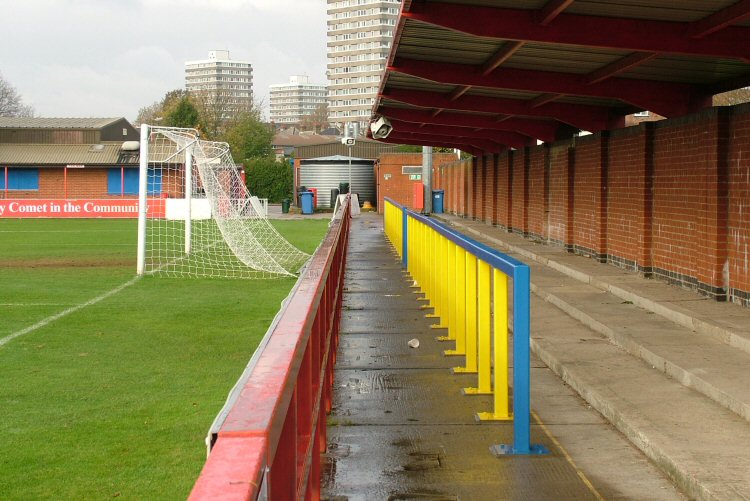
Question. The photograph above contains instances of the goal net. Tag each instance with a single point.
(196, 217)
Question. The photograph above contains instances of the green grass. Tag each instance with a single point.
(115, 399)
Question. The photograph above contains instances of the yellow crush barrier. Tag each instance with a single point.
(466, 284)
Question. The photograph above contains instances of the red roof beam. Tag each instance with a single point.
(549, 12)
(459, 91)
(591, 118)
(720, 20)
(427, 139)
(499, 57)
(544, 130)
(396, 139)
(512, 139)
(665, 98)
(624, 64)
(544, 99)
(634, 35)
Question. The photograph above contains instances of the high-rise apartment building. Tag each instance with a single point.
(290, 102)
(221, 75)
(360, 33)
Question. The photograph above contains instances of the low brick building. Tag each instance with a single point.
(68, 158)
(397, 173)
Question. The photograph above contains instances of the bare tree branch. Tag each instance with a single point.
(11, 102)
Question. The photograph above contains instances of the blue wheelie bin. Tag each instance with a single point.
(437, 201)
(306, 200)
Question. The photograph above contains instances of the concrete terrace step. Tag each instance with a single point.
(703, 447)
(648, 345)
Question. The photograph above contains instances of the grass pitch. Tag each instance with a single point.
(114, 398)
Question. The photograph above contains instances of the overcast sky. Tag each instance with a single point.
(109, 58)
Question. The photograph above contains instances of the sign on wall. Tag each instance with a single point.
(39, 208)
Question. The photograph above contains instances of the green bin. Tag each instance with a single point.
(285, 206)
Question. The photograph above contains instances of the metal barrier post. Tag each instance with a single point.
(500, 410)
(470, 306)
(484, 385)
(405, 238)
(452, 293)
(459, 317)
(443, 313)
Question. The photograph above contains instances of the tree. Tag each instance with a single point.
(269, 178)
(11, 102)
(183, 114)
(148, 114)
(248, 137)
(317, 121)
(158, 110)
(219, 109)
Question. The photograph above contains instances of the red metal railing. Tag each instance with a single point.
(270, 442)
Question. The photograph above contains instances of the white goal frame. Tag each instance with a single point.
(227, 236)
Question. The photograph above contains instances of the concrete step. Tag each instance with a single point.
(703, 447)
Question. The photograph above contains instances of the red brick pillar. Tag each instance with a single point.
(629, 198)
(590, 202)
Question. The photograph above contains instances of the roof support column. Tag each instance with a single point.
(427, 177)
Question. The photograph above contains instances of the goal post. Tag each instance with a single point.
(196, 216)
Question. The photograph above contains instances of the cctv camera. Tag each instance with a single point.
(381, 128)
(347, 141)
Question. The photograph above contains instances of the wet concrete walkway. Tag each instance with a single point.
(400, 428)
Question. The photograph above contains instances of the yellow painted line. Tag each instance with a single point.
(569, 459)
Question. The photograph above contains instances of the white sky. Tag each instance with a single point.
(109, 58)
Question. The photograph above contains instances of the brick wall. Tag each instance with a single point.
(689, 240)
(398, 186)
(537, 193)
(474, 192)
(670, 199)
(560, 204)
(738, 227)
(488, 188)
(590, 204)
(629, 184)
(504, 195)
(81, 183)
(519, 185)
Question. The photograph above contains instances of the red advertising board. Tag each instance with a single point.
(113, 208)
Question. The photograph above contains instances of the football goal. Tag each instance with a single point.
(196, 217)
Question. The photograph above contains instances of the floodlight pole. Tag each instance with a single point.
(142, 201)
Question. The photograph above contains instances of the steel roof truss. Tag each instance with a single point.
(544, 130)
(666, 99)
(589, 118)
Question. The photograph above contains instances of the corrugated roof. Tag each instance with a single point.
(565, 65)
(61, 154)
(55, 123)
(282, 139)
(336, 158)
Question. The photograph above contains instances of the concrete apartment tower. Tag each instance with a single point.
(360, 33)
(290, 102)
(220, 73)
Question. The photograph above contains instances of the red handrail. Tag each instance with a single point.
(270, 443)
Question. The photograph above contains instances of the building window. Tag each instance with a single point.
(125, 182)
(20, 179)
